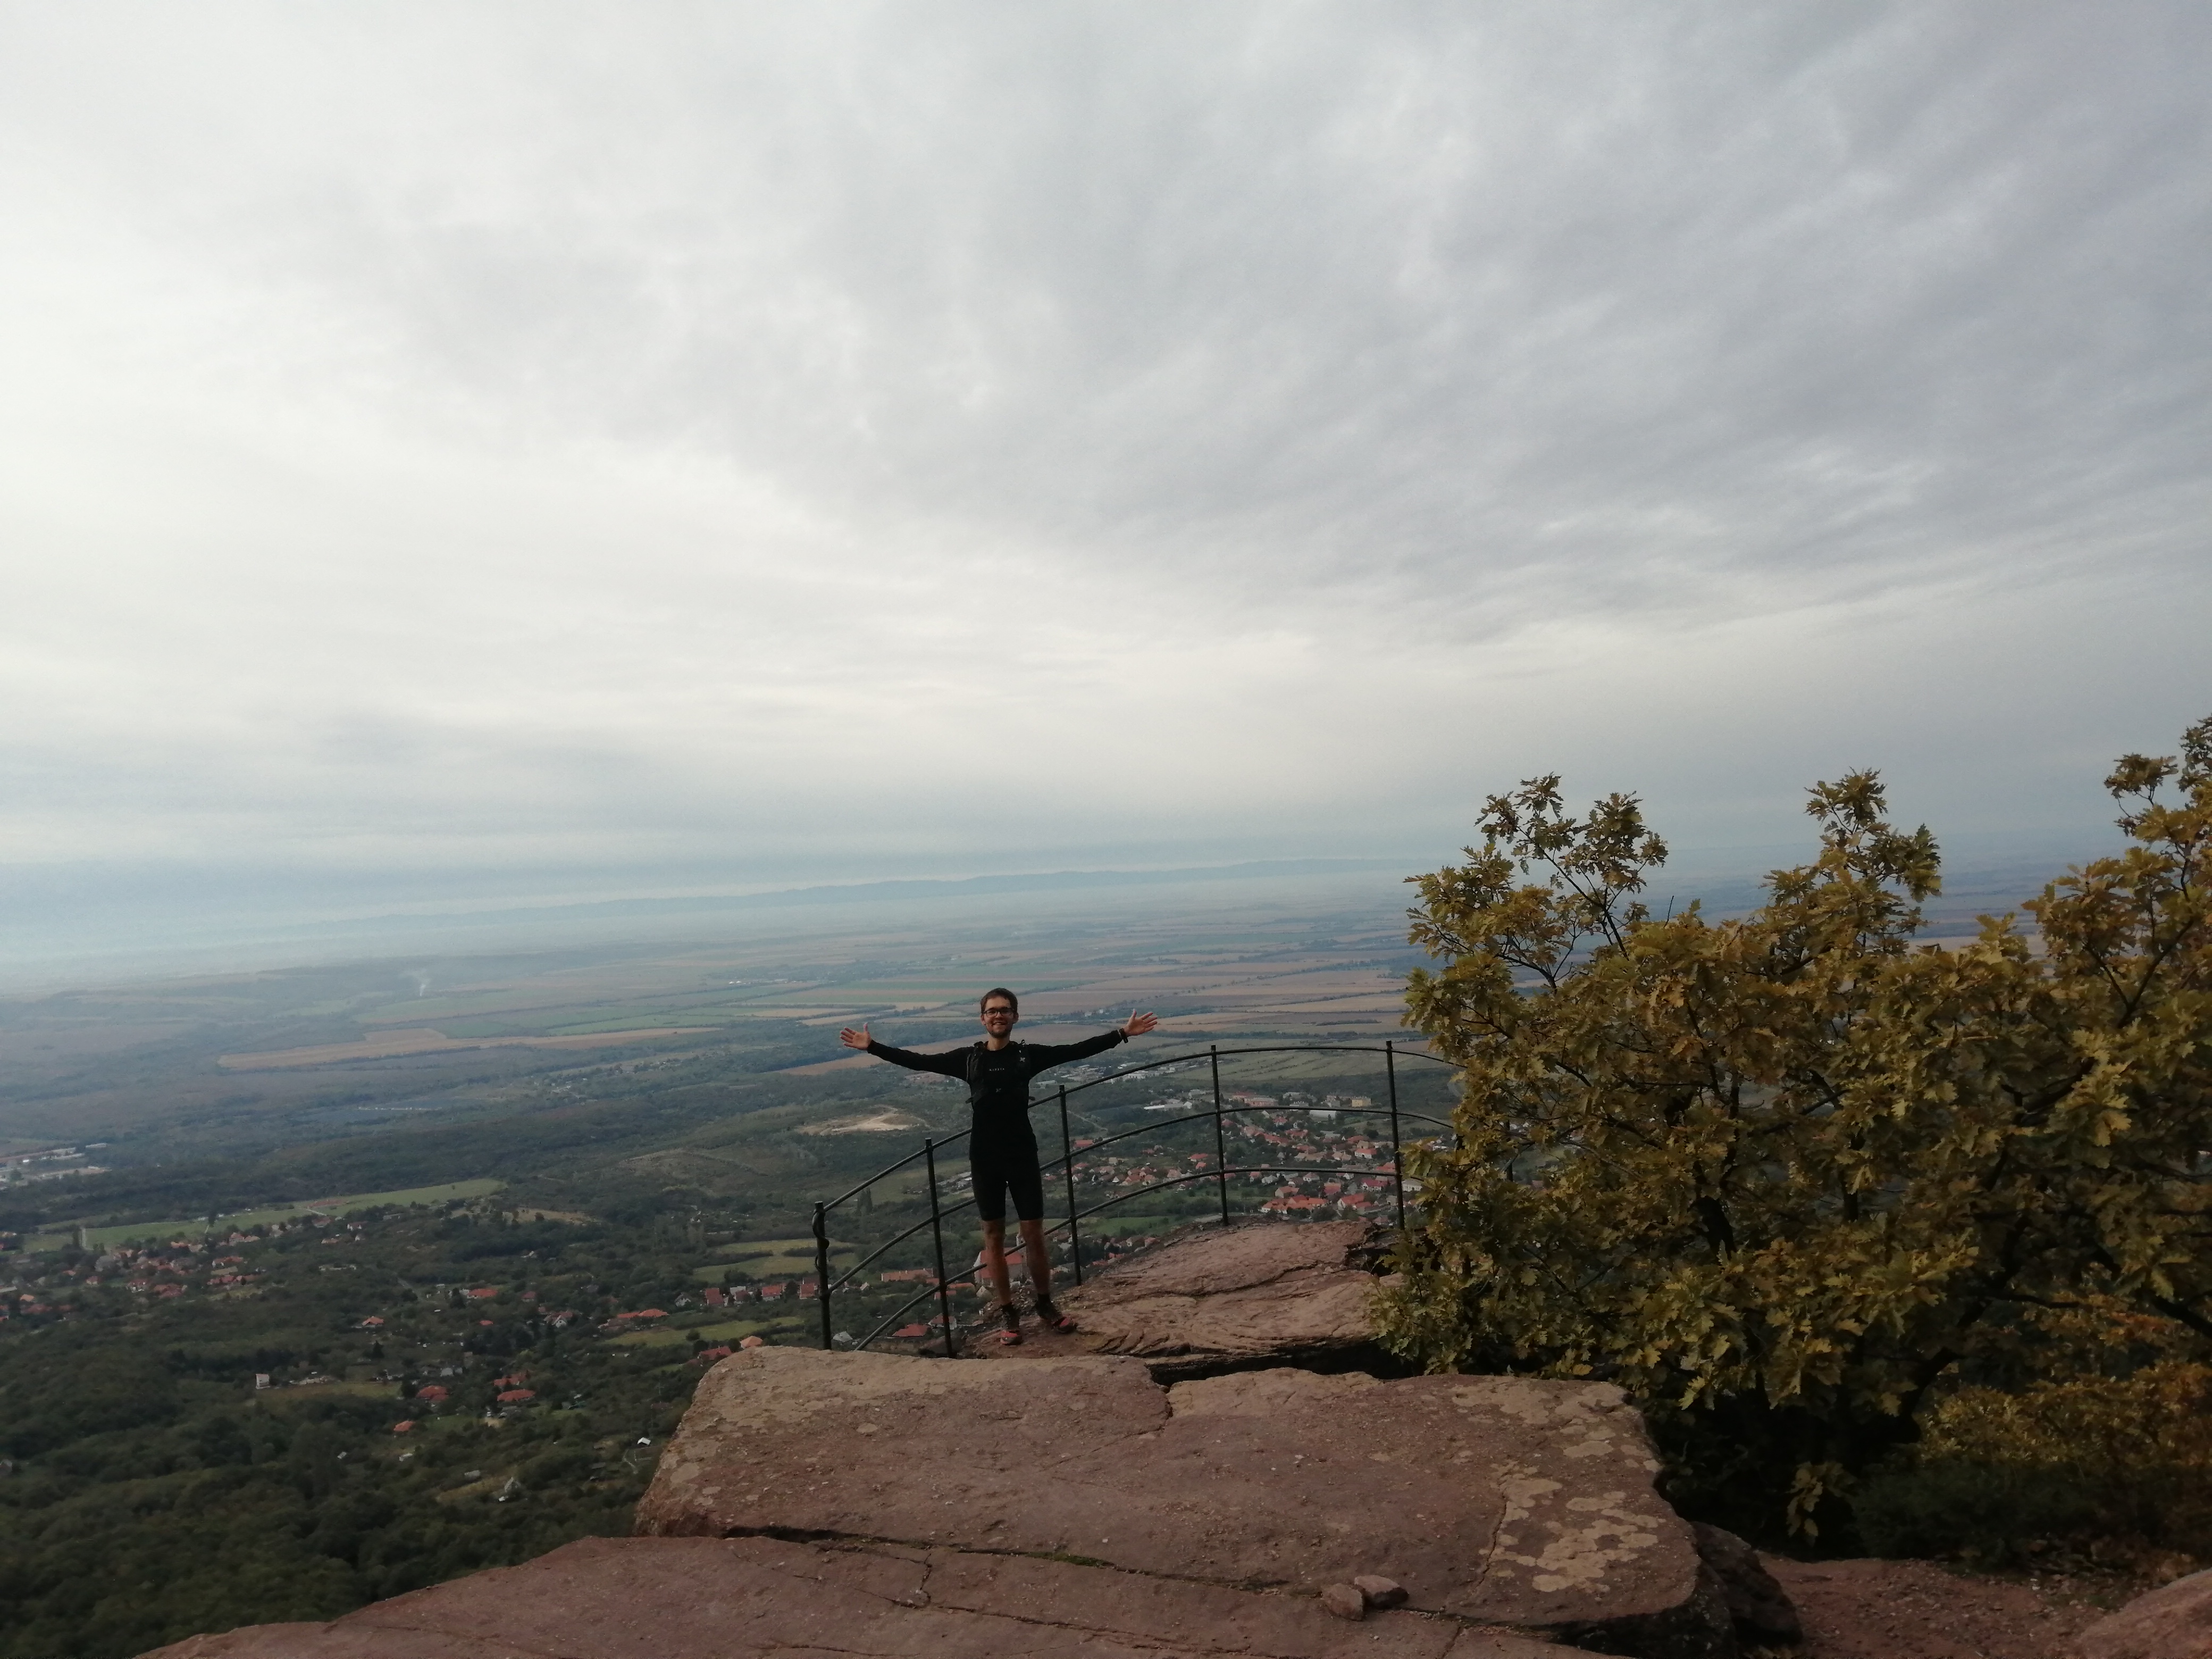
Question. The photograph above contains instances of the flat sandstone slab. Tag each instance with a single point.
(760, 1598)
(1506, 1500)
(1264, 1293)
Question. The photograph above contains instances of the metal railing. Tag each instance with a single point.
(941, 1210)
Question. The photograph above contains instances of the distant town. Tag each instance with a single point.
(51, 1163)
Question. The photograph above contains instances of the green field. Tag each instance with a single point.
(100, 1238)
(728, 1330)
(772, 1257)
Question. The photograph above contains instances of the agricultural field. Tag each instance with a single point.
(101, 1238)
(626, 1076)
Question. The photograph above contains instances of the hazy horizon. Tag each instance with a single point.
(251, 927)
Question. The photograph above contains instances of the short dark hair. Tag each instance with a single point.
(1014, 1001)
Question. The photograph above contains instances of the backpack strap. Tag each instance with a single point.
(976, 1067)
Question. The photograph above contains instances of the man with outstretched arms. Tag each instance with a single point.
(1002, 1150)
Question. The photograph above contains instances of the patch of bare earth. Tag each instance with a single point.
(887, 1121)
(1918, 1610)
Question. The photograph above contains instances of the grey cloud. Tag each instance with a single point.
(1552, 298)
(592, 420)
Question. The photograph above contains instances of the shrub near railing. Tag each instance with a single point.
(943, 1206)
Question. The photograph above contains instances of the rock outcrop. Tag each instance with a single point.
(1233, 1298)
(2174, 1622)
(1498, 1500)
(1763, 1614)
(764, 1598)
(1159, 1485)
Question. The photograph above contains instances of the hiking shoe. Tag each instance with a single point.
(1010, 1323)
(1051, 1317)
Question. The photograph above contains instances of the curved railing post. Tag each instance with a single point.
(1067, 1169)
(822, 1268)
(936, 1234)
(1397, 1150)
(1220, 1142)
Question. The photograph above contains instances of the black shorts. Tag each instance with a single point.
(1003, 1165)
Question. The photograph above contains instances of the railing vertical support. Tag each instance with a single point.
(1067, 1169)
(1397, 1145)
(936, 1234)
(822, 1268)
(1220, 1141)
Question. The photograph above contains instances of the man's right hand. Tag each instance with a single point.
(852, 1039)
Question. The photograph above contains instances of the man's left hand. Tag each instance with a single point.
(1138, 1025)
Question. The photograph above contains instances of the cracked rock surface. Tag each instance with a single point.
(1257, 1295)
(1504, 1500)
(762, 1598)
(1153, 1488)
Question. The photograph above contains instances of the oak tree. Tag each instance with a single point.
(1786, 1176)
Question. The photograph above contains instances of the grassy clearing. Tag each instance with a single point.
(1120, 1225)
(728, 1330)
(299, 1394)
(128, 1233)
(775, 1266)
(765, 1247)
(771, 1258)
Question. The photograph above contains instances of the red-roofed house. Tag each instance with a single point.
(408, 1427)
(431, 1392)
(515, 1396)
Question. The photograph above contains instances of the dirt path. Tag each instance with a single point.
(1917, 1610)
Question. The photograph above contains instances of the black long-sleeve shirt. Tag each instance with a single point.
(999, 1082)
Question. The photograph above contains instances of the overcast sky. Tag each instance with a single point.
(714, 442)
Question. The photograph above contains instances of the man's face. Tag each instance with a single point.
(998, 1017)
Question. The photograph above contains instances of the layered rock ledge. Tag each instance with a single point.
(1494, 1500)
(1162, 1483)
(764, 1598)
(1236, 1298)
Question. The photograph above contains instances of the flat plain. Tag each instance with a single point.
(708, 1067)
(691, 1064)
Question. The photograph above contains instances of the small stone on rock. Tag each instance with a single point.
(1380, 1592)
(1344, 1601)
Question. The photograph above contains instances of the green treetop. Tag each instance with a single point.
(1783, 1175)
